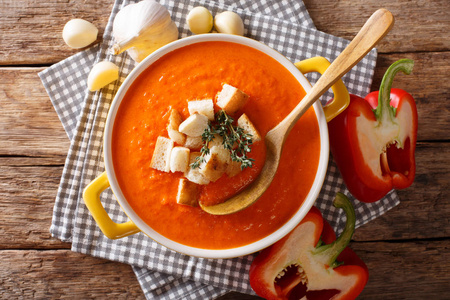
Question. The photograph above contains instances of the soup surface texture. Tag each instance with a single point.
(198, 71)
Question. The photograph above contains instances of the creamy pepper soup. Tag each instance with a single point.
(199, 71)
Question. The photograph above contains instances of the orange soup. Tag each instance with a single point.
(198, 71)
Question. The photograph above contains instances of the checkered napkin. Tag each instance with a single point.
(281, 24)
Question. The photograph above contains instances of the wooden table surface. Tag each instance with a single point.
(406, 250)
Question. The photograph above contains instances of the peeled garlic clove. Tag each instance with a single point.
(229, 22)
(79, 33)
(200, 20)
(102, 74)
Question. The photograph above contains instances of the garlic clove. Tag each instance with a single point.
(79, 33)
(229, 22)
(200, 20)
(102, 74)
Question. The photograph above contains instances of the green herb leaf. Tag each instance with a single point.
(234, 138)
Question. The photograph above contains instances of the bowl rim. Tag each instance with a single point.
(215, 253)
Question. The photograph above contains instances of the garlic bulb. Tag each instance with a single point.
(141, 28)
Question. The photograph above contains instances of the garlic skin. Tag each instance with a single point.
(102, 74)
(79, 33)
(200, 20)
(229, 22)
(141, 28)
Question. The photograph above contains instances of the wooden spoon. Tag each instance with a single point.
(376, 27)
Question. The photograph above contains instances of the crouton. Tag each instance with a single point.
(187, 193)
(175, 120)
(204, 107)
(179, 159)
(194, 175)
(161, 155)
(245, 123)
(233, 168)
(215, 163)
(195, 125)
(231, 99)
(217, 141)
(193, 142)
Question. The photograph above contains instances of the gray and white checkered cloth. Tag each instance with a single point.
(163, 274)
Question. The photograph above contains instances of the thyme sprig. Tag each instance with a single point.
(234, 139)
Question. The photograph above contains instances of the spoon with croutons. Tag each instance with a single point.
(376, 27)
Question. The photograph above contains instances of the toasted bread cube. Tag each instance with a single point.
(194, 175)
(217, 141)
(195, 125)
(193, 142)
(216, 163)
(233, 168)
(176, 136)
(231, 99)
(161, 155)
(175, 119)
(179, 159)
(245, 123)
(187, 193)
(204, 107)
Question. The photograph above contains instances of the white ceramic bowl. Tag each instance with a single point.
(207, 253)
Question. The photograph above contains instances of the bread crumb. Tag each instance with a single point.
(245, 123)
(175, 119)
(161, 155)
(187, 193)
(204, 107)
(179, 159)
(193, 142)
(216, 163)
(195, 125)
(194, 175)
(231, 99)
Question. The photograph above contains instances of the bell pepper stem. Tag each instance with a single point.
(384, 109)
(329, 253)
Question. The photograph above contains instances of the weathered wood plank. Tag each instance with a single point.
(413, 270)
(424, 210)
(419, 25)
(29, 125)
(64, 274)
(28, 189)
(31, 30)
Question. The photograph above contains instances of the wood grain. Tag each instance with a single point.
(29, 125)
(56, 274)
(419, 25)
(32, 30)
(28, 189)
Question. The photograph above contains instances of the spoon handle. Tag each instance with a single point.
(376, 27)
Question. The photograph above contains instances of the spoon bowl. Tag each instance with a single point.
(376, 27)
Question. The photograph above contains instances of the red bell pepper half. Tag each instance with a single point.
(304, 264)
(373, 141)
